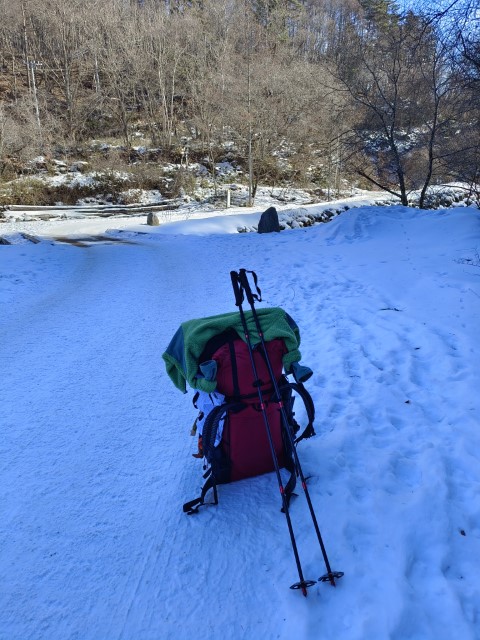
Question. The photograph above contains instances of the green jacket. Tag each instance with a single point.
(187, 345)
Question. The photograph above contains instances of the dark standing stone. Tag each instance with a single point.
(269, 221)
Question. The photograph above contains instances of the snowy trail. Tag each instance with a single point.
(398, 392)
(95, 452)
(104, 479)
(89, 476)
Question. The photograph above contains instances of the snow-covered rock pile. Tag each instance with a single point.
(438, 197)
(446, 196)
(307, 217)
(316, 214)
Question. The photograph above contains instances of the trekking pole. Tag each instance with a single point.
(302, 584)
(245, 286)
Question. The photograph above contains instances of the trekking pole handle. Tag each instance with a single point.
(237, 288)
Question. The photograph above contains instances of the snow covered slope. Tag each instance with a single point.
(95, 452)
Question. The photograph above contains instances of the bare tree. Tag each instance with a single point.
(18, 135)
(121, 67)
(166, 46)
(457, 24)
(400, 79)
(210, 75)
(61, 48)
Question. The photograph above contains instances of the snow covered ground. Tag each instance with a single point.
(211, 219)
(95, 451)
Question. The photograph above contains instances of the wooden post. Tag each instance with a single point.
(32, 65)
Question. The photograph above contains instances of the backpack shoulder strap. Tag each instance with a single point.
(218, 471)
(211, 424)
(299, 388)
(194, 505)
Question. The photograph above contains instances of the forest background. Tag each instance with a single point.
(319, 94)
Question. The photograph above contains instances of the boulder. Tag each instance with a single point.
(269, 221)
(152, 219)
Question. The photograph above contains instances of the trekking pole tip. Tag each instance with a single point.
(331, 576)
(303, 585)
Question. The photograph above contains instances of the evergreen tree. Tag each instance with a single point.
(380, 13)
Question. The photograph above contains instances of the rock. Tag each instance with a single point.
(269, 221)
(152, 219)
(78, 167)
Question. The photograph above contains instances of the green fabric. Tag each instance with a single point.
(182, 354)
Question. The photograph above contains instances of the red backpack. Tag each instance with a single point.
(244, 450)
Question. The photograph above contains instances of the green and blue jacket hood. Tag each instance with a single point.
(187, 345)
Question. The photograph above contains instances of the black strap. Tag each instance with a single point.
(195, 398)
(243, 281)
(298, 387)
(194, 505)
(289, 487)
(250, 396)
(233, 359)
(211, 424)
(258, 295)
(209, 434)
(217, 341)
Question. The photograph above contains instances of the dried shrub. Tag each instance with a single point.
(183, 182)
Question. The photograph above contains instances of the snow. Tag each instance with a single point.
(95, 453)
(190, 217)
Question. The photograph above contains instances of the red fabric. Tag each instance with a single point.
(275, 348)
(245, 440)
